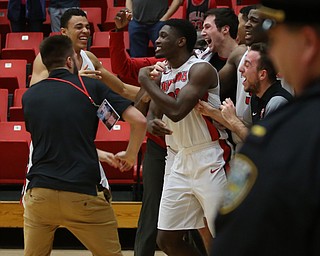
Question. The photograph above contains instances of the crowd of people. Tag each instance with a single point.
(226, 127)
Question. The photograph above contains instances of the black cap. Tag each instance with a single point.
(290, 11)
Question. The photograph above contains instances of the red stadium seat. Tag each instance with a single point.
(247, 2)
(14, 131)
(108, 23)
(178, 14)
(106, 63)
(14, 160)
(100, 44)
(4, 26)
(55, 33)
(102, 4)
(22, 45)
(94, 17)
(3, 105)
(115, 141)
(14, 148)
(16, 111)
(13, 74)
(118, 3)
(243, 3)
(4, 4)
(226, 3)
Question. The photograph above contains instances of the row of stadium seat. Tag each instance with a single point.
(13, 83)
(15, 143)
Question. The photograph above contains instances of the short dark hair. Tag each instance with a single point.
(67, 15)
(55, 50)
(246, 9)
(264, 61)
(225, 17)
(184, 28)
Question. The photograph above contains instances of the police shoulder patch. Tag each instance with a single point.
(242, 176)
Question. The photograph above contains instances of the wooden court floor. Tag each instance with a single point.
(19, 252)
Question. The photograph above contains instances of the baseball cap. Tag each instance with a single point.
(289, 11)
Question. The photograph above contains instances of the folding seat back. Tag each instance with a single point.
(16, 111)
(13, 74)
(225, 3)
(106, 63)
(117, 3)
(14, 131)
(55, 33)
(94, 17)
(14, 148)
(3, 105)
(4, 25)
(115, 141)
(108, 22)
(14, 159)
(242, 3)
(22, 45)
(100, 44)
(4, 4)
(46, 26)
(179, 13)
(102, 4)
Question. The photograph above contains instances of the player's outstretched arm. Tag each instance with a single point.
(125, 90)
(39, 71)
(138, 127)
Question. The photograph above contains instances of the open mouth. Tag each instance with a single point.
(248, 35)
(209, 41)
(157, 49)
(83, 38)
(244, 79)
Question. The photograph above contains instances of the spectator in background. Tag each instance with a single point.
(57, 8)
(194, 11)
(26, 15)
(148, 17)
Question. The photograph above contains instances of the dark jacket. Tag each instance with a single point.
(35, 10)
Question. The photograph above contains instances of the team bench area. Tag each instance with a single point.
(127, 214)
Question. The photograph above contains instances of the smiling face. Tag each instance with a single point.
(250, 72)
(253, 29)
(78, 30)
(212, 35)
(166, 43)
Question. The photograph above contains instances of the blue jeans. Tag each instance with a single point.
(139, 36)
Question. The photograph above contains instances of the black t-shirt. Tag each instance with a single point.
(63, 124)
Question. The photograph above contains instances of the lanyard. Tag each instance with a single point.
(84, 90)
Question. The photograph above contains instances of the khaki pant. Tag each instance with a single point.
(90, 218)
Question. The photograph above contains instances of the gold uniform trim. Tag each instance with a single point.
(242, 176)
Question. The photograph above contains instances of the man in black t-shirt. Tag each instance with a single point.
(61, 115)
